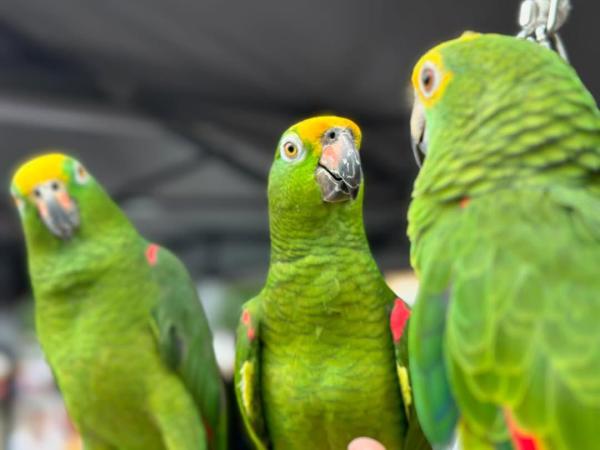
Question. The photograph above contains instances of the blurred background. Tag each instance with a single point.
(176, 107)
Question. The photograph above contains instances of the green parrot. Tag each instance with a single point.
(118, 318)
(505, 231)
(321, 351)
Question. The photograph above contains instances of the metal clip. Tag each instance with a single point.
(540, 21)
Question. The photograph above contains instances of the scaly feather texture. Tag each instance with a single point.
(505, 231)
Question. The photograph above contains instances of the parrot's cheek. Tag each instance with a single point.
(58, 212)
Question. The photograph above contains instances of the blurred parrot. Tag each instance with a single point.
(118, 318)
(505, 231)
(321, 351)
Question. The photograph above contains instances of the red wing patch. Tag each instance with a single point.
(152, 254)
(246, 317)
(521, 439)
(464, 202)
(398, 319)
(247, 321)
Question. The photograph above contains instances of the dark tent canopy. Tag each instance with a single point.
(176, 106)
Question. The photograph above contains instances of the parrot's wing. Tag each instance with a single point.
(399, 317)
(522, 332)
(185, 340)
(247, 374)
(437, 408)
(523, 321)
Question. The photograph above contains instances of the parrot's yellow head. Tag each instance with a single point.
(463, 86)
(46, 184)
(315, 128)
(317, 160)
(39, 170)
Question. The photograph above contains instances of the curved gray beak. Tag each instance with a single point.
(339, 172)
(418, 131)
(56, 209)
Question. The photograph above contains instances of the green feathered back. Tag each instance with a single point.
(505, 231)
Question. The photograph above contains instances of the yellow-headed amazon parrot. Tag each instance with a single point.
(505, 231)
(322, 349)
(118, 318)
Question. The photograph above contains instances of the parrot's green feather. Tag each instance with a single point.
(316, 361)
(507, 208)
(519, 344)
(120, 324)
(185, 342)
(437, 409)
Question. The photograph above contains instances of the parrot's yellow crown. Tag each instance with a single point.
(314, 128)
(39, 169)
(434, 56)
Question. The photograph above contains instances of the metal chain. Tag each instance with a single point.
(540, 21)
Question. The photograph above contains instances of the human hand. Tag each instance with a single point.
(364, 443)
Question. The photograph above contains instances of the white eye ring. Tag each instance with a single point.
(291, 148)
(81, 175)
(429, 79)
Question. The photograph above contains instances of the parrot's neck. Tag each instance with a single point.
(513, 143)
(335, 255)
(56, 266)
(69, 286)
(337, 231)
(532, 152)
(323, 280)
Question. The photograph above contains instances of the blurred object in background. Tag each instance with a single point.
(222, 303)
(37, 420)
(7, 372)
(43, 425)
(404, 283)
(9, 341)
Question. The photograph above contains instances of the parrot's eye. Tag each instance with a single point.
(429, 79)
(291, 151)
(291, 148)
(81, 175)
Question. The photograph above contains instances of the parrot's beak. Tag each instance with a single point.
(418, 131)
(339, 172)
(56, 209)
